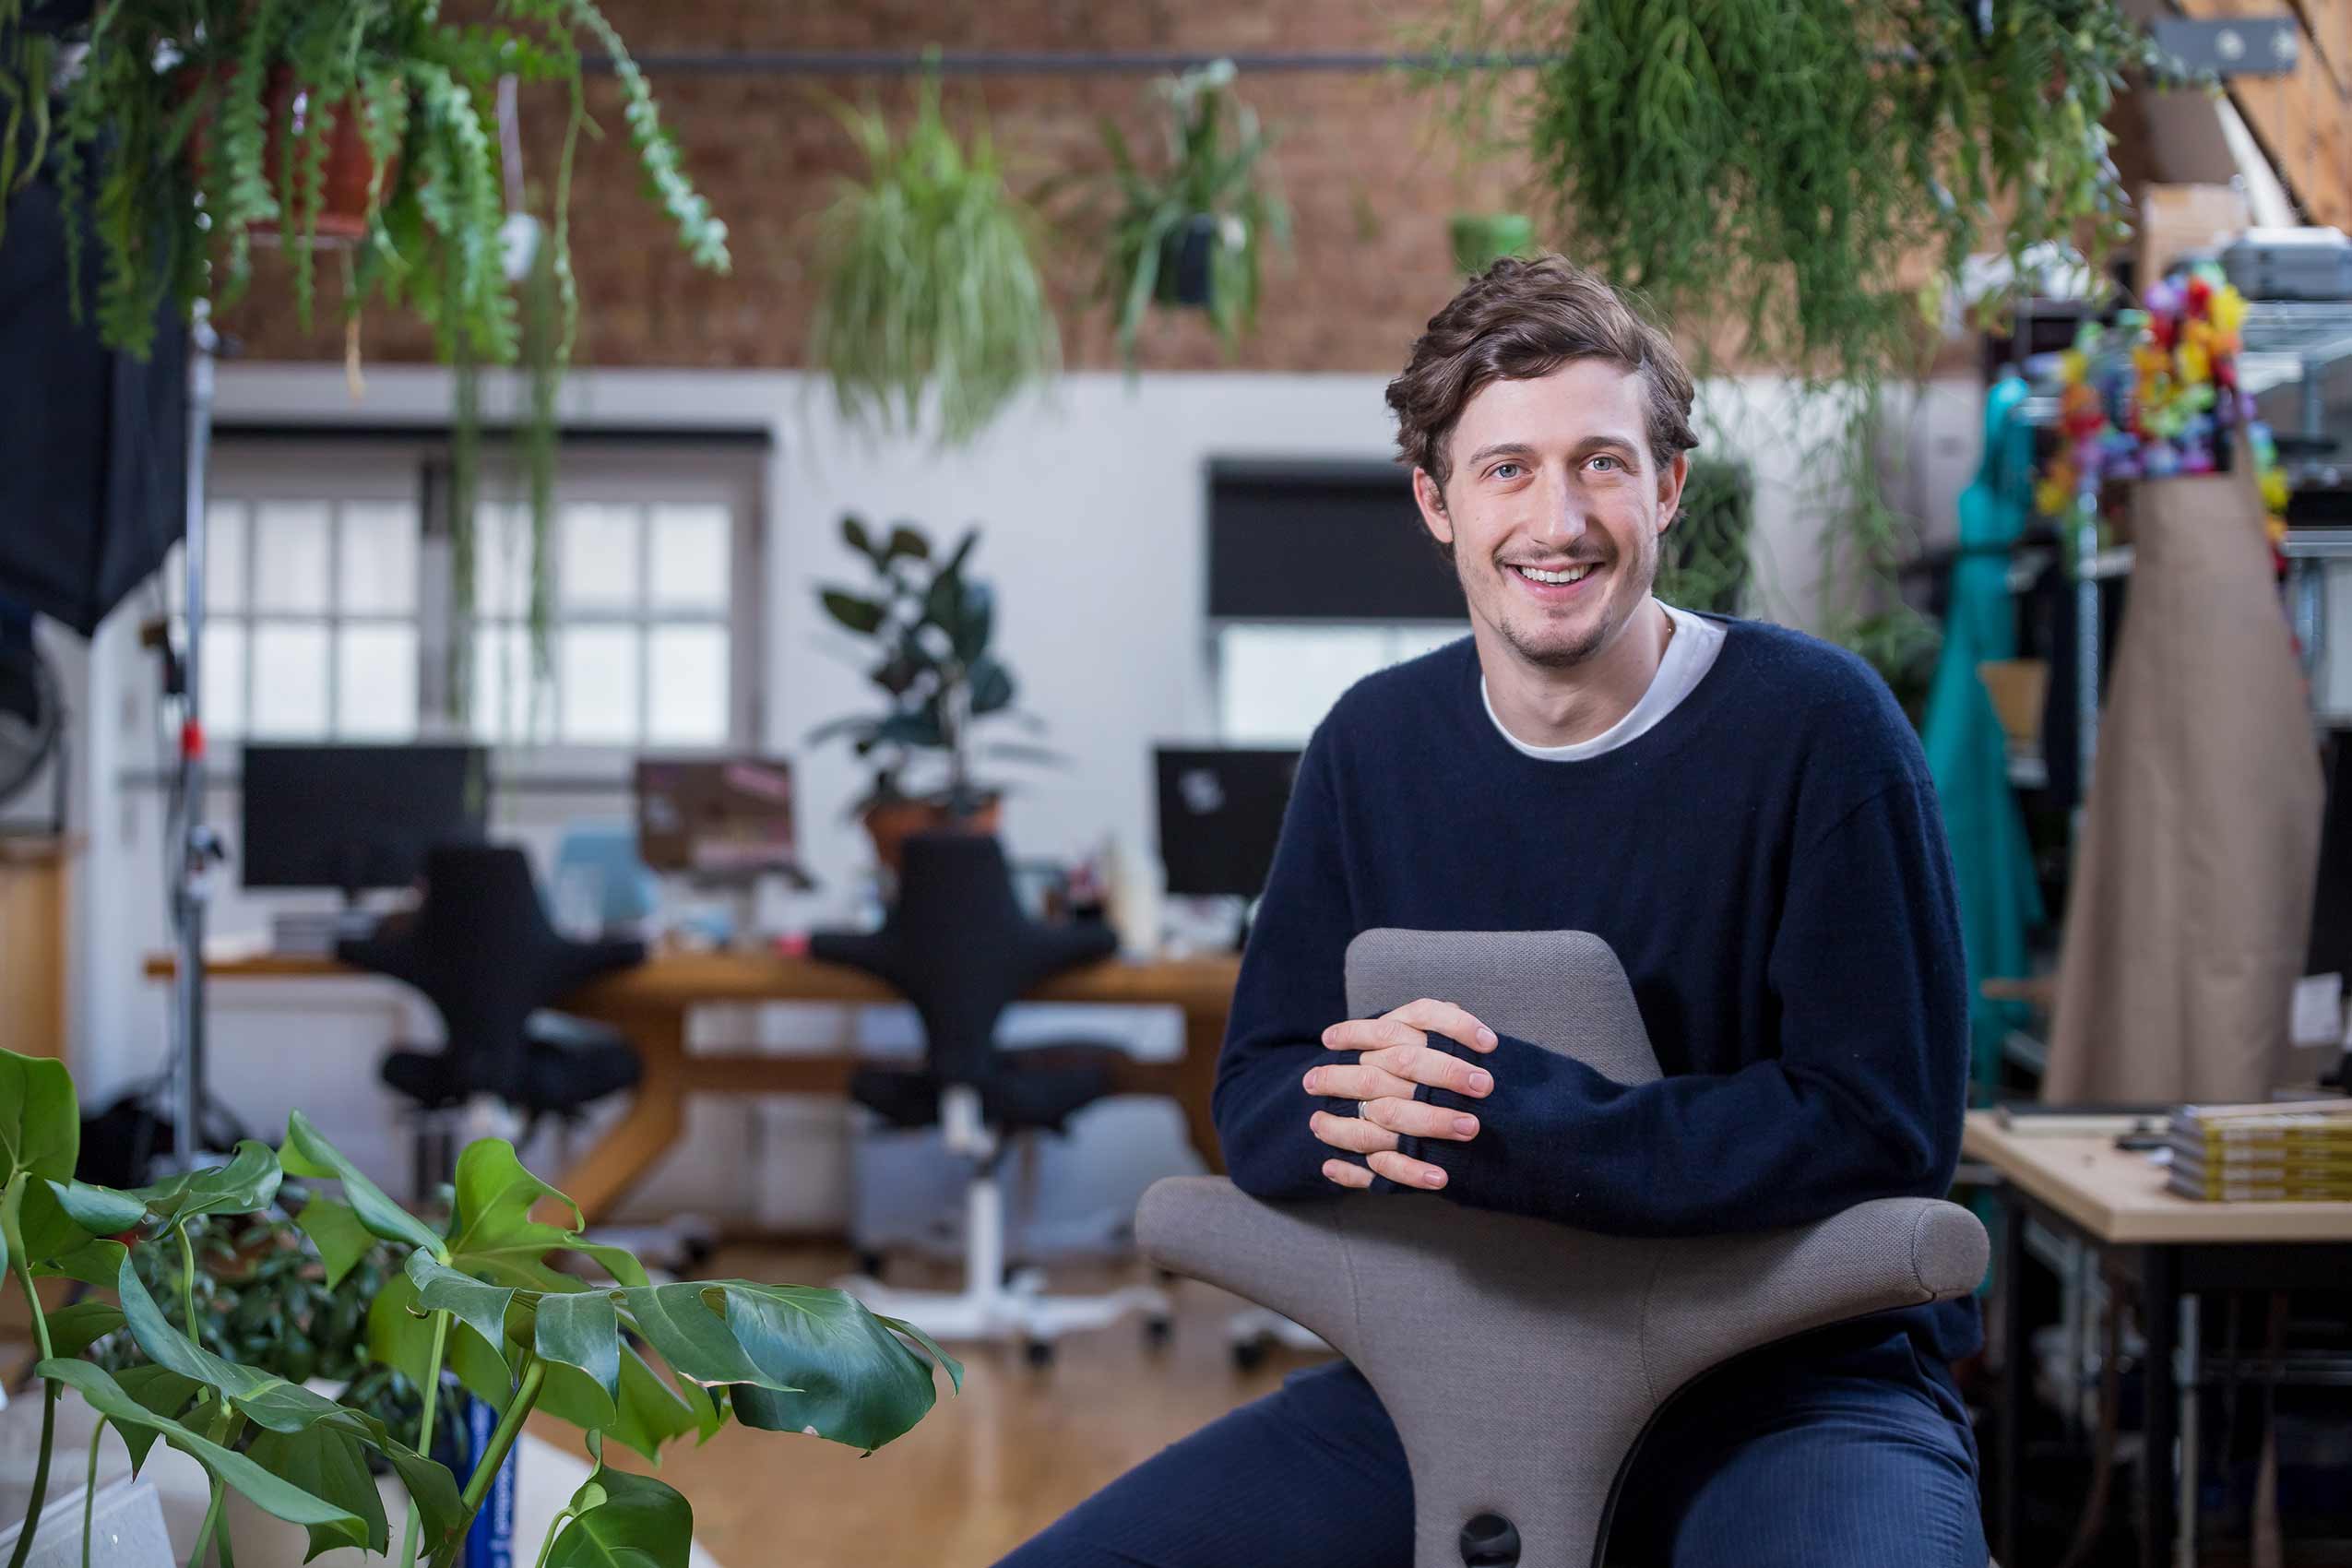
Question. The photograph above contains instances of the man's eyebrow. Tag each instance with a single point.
(1498, 449)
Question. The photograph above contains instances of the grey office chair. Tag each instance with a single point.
(1516, 1457)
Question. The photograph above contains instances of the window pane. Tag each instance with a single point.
(1413, 639)
(502, 562)
(379, 563)
(375, 695)
(220, 678)
(289, 680)
(502, 691)
(686, 704)
(1277, 683)
(690, 558)
(595, 673)
(290, 557)
(224, 557)
(599, 557)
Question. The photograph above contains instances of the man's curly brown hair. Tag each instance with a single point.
(1519, 320)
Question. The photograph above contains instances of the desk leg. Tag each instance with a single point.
(653, 1123)
(2160, 1321)
(1204, 1038)
(2015, 1379)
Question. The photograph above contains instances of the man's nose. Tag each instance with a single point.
(1564, 518)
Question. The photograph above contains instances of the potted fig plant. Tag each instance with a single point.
(930, 626)
(622, 1359)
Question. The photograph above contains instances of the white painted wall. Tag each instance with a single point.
(1093, 507)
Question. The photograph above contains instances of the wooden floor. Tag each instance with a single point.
(981, 1473)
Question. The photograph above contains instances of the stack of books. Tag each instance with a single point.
(2292, 1153)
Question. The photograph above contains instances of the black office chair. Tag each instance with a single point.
(480, 949)
(958, 945)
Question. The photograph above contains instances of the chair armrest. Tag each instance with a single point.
(1291, 1257)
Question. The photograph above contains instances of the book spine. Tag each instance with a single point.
(489, 1543)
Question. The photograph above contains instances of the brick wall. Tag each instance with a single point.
(1369, 171)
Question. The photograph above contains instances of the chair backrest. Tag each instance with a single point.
(480, 949)
(958, 945)
(1579, 1339)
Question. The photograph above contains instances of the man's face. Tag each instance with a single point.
(1555, 509)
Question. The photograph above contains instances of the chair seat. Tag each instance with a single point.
(1033, 1089)
(557, 1078)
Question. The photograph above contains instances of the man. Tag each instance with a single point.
(1744, 815)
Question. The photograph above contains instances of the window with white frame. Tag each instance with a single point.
(333, 605)
(1276, 682)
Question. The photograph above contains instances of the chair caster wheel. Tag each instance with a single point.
(1157, 1332)
(1038, 1353)
(1249, 1354)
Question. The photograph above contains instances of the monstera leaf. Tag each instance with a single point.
(244, 1186)
(619, 1520)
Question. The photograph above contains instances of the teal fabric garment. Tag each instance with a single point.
(1967, 752)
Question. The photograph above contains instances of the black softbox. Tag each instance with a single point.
(93, 444)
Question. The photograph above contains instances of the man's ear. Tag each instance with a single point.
(1669, 489)
(1432, 501)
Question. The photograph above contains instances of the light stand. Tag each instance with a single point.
(196, 846)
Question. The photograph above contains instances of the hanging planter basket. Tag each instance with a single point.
(350, 176)
(1186, 256)
(1481, 239)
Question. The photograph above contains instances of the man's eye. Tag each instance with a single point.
(1612, 462)
(1496, 472)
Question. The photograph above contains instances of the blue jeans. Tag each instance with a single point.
(1858, 1459)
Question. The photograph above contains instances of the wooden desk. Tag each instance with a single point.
(650, 1002)
(2171, 1249)
(35, 871)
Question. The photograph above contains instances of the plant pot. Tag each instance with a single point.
(2017, 688)
(893, 822)
(1184, 254)
(1481, 239)
(350, 172)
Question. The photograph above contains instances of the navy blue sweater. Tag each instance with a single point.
(1768, 863)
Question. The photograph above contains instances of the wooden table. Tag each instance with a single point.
(650, 1002)
(2171, 1249)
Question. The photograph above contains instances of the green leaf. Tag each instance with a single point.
(161, 1391)
(620, 1520)
(94, 1262)
(332, 1466)
(75, 1328)
(494, 1233)
(854, 1380)
(682, 1324)
(481, 1307)
(974, 622)
(991, 686)
(583, 1329)
(102, 1211)
(269, 1401)
(853, 534)
(906, 541)
(278, 1498)
(307, 1154)
(650, 1412)
(860, 615)
(336, 1231)
(54, 1244)
(41, 1122)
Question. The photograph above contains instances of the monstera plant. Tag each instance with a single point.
(620, 1358)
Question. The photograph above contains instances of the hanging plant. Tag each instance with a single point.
(1797, 182)
(1481, 239)
(1192, 232)
(930, 283)
(1703, 559)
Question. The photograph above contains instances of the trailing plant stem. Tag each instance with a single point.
(90, 1488)
(424, 1433)
(548, 1546)
(23, 1271)
(210, 1526)
(188, 1283)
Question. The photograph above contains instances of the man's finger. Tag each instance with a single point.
(1346, 1175)
(1407, 1173)
(1444, 1018)
(1359, 1082)
(1426, 1064)
(1415, 1120)
(1351, 1133)
(1370, 1034)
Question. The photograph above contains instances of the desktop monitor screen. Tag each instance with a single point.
(354, 817)
(1220, 813)
(720, 819)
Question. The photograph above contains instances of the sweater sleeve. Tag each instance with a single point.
(1862, 1100)
(1292, 987)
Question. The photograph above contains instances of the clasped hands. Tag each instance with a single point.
(1396, 1059)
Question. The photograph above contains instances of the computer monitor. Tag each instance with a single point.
(718, 819)
(1220, 814)
(356, 817)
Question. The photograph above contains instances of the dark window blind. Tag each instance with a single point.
(1321, 540)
